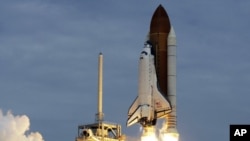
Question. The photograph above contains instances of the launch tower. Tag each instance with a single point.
(100, 130)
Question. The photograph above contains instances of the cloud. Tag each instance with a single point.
(16, 128)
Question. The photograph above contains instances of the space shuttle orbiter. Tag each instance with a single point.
(157, 76)
(150, 103)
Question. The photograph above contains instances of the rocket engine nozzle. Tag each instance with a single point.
(145, 122)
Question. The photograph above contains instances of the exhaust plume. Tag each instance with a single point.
(16, 128)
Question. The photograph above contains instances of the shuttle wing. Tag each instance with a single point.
(161, 104)
(133, 107)
(133, 113)
(135, 117)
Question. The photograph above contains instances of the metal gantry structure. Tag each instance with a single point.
(100, 130)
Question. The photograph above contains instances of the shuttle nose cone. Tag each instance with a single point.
(160, 21)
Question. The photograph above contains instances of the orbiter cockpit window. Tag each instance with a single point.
(144, 52)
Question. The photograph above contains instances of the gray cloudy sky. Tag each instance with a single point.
(48, 62)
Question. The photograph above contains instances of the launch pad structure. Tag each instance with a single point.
(100, 130)
(103, 131)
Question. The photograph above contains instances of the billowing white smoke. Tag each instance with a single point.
(15, 128)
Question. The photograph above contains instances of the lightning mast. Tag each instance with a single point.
(100, 130)
(99, 114)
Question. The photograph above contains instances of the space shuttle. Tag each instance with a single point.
(150, 103)
(157, 76)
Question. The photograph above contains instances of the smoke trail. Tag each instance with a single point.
(15, 128)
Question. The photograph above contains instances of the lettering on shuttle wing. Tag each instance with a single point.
(158, 104)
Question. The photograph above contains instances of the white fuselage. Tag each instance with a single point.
(145, 84)
(149, 104)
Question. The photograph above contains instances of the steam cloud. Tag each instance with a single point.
(15, 128)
